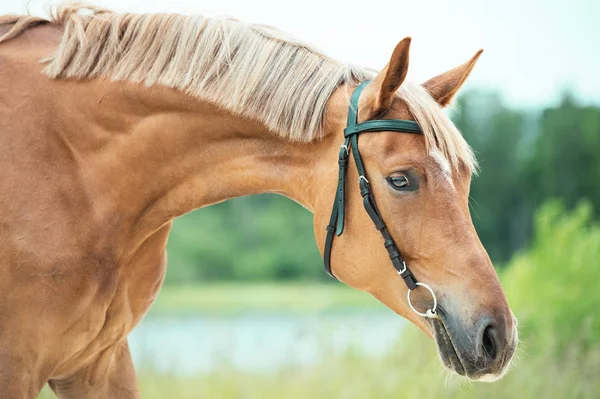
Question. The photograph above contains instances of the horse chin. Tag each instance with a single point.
(446, 350)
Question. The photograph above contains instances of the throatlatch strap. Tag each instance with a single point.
(341, 189)
(336, 220)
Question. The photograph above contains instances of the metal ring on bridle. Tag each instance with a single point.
(361, 177)
(430, 312)
(345, 147)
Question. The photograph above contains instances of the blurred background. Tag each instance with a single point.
(247, 310)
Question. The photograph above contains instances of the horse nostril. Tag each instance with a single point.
(489, 342)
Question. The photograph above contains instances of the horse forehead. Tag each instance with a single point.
(391, 145)
(443, 165)
(394, 146)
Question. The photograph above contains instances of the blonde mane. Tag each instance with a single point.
(252, 70)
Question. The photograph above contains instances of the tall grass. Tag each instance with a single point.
(554, 289)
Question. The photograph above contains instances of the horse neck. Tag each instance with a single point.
(152, 154)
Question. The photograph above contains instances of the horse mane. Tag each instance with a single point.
(253, 70)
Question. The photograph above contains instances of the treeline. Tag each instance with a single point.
(525, 157)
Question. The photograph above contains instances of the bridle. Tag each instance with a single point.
(336, 222)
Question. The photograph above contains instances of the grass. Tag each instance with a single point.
(227, 298)
(408, 372)
(412, 372)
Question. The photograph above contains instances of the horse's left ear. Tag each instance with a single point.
(391, 77)
(443, 87)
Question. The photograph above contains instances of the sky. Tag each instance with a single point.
(534, 50)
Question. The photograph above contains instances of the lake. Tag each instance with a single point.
(258, 342)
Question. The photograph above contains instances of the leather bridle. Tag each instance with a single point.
(336, 222)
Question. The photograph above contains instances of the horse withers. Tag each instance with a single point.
(112, 125)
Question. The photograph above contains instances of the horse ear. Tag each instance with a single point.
(391, 77)
(443, 87)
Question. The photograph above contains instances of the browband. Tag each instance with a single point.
(393, 125)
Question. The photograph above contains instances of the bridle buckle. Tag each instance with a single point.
(400, 272)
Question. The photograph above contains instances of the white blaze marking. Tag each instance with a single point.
(444, 165)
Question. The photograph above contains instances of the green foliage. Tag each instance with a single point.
(525, 159)
(253, 238)
(554, 285)
(496, 134)
(565, 162)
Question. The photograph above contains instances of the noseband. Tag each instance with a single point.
(336, 222)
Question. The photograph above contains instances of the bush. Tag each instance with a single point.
(554, 287)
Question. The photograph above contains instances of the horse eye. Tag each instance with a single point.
(399, 182)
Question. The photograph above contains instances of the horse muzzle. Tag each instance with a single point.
(480, 351)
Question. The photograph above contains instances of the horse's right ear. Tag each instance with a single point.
(391, 77)
(445, 86)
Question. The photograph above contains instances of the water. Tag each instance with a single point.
(258, 342)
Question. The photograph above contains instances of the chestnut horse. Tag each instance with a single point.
(112, 125)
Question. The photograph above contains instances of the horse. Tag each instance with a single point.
(113, 124)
